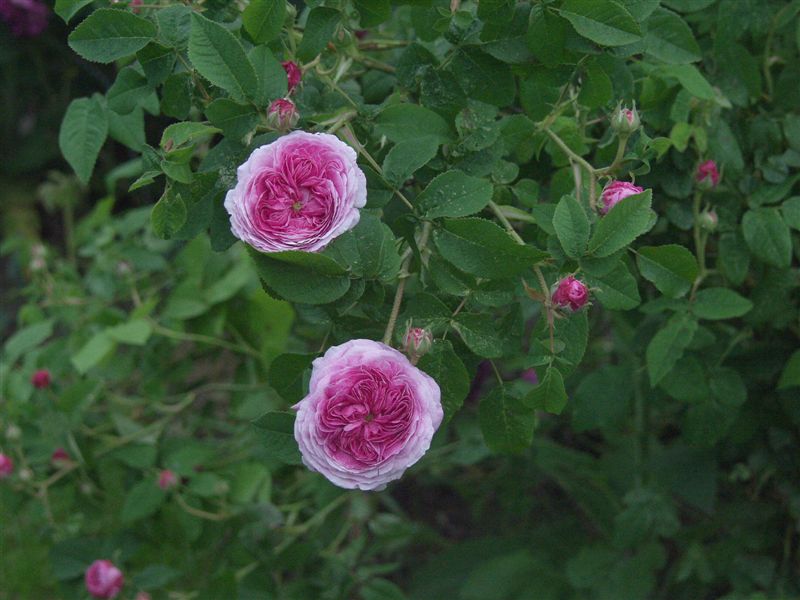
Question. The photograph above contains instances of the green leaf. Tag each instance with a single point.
(483, 249)
(276, 431)
(109, 34)
(168, 215)
(369, 249)
(768, 236)
(174, 25)
(320, 26)
(668, 345)
(234, 119)
(546, 36)
(373, 12)
(791, 212)
(135, 332)
(446, 368)
(286, 375)
(479, 334)
(454, 194)
(572, 226)
(26, 339)
(380, 589)
(671, 268)
(128, 91)
(626, 221)
(734, 257)
(91, 353)
(406, 157)
(66, 9)
(790, 377)
(263, 19)
(272, 81)
(720, 303)
(670, 39)
(83, 132)
(153, 577)
(617, 289)
(408, 122)
(506, 421)
(473, 68)
(157, 62)
(605, 22)
(302, 276)
(219, 57)
(691, 79)
(144, 499)
(550, 394)
(188, 132)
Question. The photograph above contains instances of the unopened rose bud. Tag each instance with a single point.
(616, 191)
(167, 479)
(6, 466)
(293, 74)
(530, 376)
(104, 579)
(708, 220)
(417, 342)
(282, 115)
(13, 433)
(625, 120)
(59, 457)
(41, 379)
(570, 293)
(707, 175)
(25, 474)
(135, 4)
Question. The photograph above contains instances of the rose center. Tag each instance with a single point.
(369, 417)
(297, 206)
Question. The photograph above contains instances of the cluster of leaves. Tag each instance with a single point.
(484, 129)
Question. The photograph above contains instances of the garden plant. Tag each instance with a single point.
(400, 299)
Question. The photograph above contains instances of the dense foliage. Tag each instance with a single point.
(644, 445)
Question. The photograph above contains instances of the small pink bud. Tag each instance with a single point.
(41, 379)
(570, 293)
(6, 466)
(616, 191)
(707, 175)
(59, 457)
(625, 120)
(167, 479)
(282, 115)
(417, 342)
(530, 376)
(104, 579)
(135, 4)
(362, 33)
(293, 74)
(708, 220)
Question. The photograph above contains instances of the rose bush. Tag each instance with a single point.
(577, 218)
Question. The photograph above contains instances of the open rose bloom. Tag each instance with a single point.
(368, 416)
(571, 293)
(104, 579)
(297, 193)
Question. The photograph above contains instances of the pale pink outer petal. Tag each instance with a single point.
(427, 417)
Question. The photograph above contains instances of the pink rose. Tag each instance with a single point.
(104, 579)
(530, 376)
(570, 293)
(41, 379)
(616, 191)
(167, 479)
(6, 466)
(417, 342)
(368, 416)
(293, 74)
(59, 456)
(26, 18)
(707, 174)
(297, 193)
(282, 115)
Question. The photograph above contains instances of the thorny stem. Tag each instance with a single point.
(700, 238)
(401, 285)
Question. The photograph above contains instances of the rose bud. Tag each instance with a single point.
(41, 379)
(530, 376)
(708, 220)
(297, 193)
(417, 342)
(104, 579)
(59, 457)
(625, 120)
(135, 4)
(616, 191)
(25, 18)
(293, 74)
(282, 115)
(25, 474)
(13, 433)
(368, 416)
(707, 175)
(570, 293)
(167, 479)
(6, 466)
